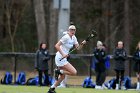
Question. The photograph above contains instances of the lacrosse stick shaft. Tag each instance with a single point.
(72, 50)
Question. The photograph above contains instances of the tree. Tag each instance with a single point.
(53, 20)
(12, 16)
(126, 30)
(40, 20)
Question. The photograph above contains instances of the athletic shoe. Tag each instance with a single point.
(51, 90)
(104, 86)
(98, 87)
(123, 87)
(61, 86)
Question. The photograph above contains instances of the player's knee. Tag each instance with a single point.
(74, 72)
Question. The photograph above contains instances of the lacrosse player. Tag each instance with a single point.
(63, 47)
(100, 69)
(137, 65)
(120, 57)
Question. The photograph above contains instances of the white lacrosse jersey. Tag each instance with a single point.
(67, 43)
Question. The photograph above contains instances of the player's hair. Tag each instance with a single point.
(40, 46)
(137, 47)
(118, 42)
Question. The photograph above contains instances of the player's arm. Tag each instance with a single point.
(57, 46)
(81, 45)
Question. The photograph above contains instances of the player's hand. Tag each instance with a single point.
(65, 55)
(84, 42)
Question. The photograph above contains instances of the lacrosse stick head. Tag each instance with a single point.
(91, 35)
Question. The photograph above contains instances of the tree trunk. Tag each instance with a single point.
(126, 31)
(40, 20)
(53, 17)
(107, 8)
(53, 27)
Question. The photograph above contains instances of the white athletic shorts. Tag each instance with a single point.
(58, 62)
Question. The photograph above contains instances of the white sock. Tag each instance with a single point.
(138, 85)
(53, 86)
(117, 86)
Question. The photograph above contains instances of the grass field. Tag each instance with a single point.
(36, 89)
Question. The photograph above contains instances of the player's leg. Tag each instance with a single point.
(63, 84)
(117, 79)
(40, 77)
(68, 69)
(56, 83)
(122, 80)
